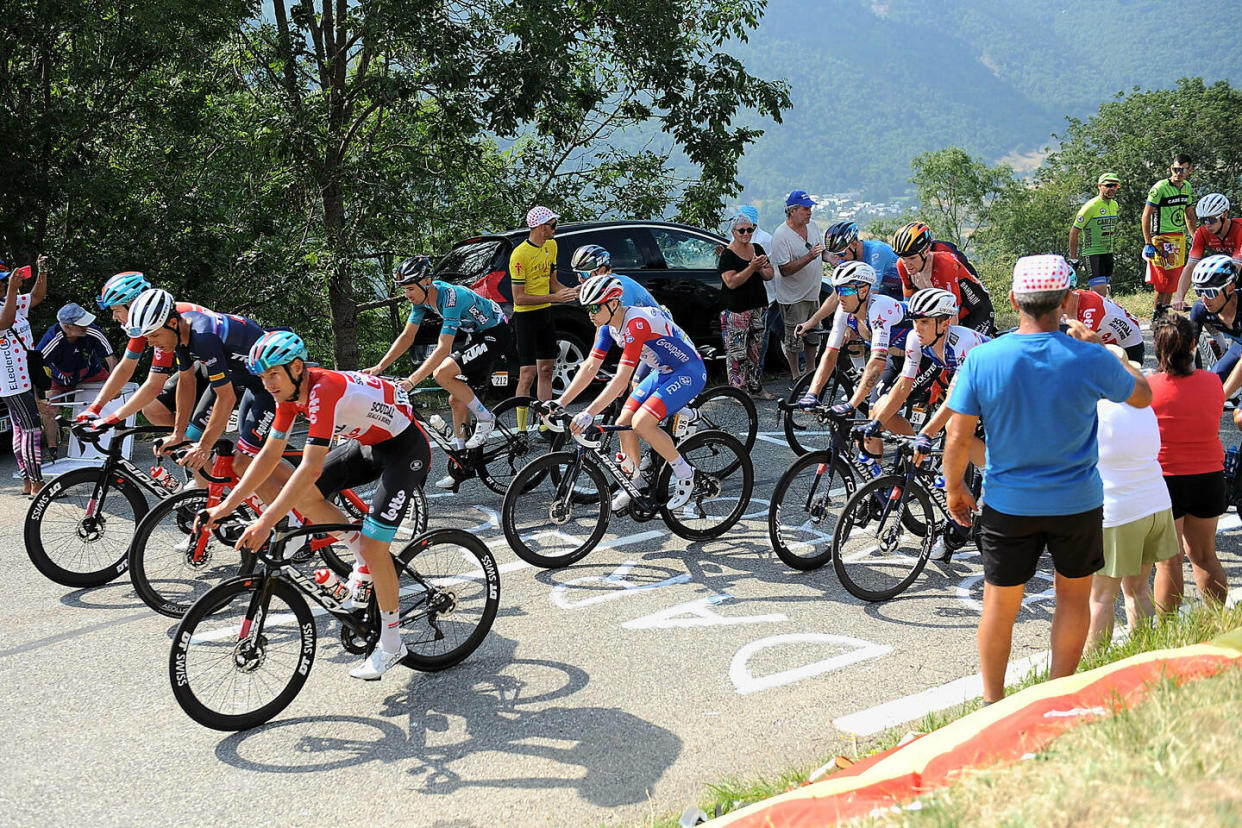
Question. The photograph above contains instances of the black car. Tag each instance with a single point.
(676, 262)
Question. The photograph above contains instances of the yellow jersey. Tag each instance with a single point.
(533, 267)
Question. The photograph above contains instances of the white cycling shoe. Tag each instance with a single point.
(482, 428)
(445, 482)
(621, 500)
(377, 663)
(682, 489)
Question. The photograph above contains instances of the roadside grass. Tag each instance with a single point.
(1187, 739)
(1140, 305)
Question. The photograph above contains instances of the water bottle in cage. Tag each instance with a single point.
(165, 478)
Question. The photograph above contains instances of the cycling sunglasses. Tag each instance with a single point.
(1209, 292)
(594, 308)
(1212, 221)
(583, 275)
(847, 290)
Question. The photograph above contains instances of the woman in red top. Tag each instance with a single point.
(1189, 404)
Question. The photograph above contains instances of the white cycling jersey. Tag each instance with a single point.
(884, 327)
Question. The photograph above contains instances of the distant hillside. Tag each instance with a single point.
(875, 83)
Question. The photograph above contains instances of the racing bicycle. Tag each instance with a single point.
(244, 650)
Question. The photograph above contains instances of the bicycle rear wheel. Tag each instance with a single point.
(723, 480)
(450, 592)
(874, 552)
(337, 555)
(806, 505)
(170, 566)
(803, 432)
(509, 448)
(75, 549)
(553, 515)
(237, 660)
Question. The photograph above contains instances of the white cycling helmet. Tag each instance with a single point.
(149, 312)
(1213, 272)
(599, 289)
(931, 303)
(1212, 204)
(854, 273)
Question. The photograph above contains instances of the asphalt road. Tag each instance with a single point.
(607, 693)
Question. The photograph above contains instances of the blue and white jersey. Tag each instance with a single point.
(958, 342)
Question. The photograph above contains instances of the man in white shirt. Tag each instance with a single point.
(798, 253)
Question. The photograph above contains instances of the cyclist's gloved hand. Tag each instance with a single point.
(842, 409)
(86, 416)
(922, 444)
(1149, 252)
(101, 424)
(807, 401)
(582, 420)
(873, 428)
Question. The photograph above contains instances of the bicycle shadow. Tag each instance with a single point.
(496, 704)
(115, 595)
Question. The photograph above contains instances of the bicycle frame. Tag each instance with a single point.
(114, 464)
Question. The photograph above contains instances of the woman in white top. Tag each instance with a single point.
(15, 385)
(1138, 518)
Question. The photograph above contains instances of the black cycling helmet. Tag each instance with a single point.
(912, 239)
(411, 271)
(840, 236)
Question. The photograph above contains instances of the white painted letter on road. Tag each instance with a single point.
(855, 650)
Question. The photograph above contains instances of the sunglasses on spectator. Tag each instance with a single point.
(1209, 292)
(1111, 186)
(1177, 169)
(743, 229)
(847, 290)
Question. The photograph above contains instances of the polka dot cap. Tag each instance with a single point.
(539, 215)
(1035, 274)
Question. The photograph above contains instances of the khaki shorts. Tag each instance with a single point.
(794, 315)
(1144, 541)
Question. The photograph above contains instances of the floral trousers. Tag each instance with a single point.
(742, 332)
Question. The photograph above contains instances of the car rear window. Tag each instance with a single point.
(468, 262)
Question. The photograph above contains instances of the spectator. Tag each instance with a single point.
(798, 253)
(774, 329)
(74, 351)
(1189, 404)
(1138, 520)
(1167, 216)
(1036, 391)
(15, 381)
(744, 267)
(1095, 227)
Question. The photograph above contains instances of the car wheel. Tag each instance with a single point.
(571, 350)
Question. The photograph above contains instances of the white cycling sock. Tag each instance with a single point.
(478, 409)
(682, 469)
(459, 443)
(390, 632)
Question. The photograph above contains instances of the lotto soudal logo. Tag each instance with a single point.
(417, 465)
(395, 506)
(312, 406)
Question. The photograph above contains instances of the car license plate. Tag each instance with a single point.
(500, 379)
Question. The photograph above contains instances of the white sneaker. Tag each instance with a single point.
(482, 428)
(620, 500)
(379, 662)
(682, 490)
(446, 482)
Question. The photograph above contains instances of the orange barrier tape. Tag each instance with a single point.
(1001, 733)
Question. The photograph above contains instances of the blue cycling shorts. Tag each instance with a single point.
(664, 394)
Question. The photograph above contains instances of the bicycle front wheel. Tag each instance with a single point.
(723, 480)
(874, 552)
(510, 447)
(803, 432)
(76, 542)
(239, 657)
(556, 510)
(172, 567)
(450, 592)
(806, 504)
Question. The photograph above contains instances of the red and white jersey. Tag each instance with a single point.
(350, 405)
(647, 334)
(1111, 321)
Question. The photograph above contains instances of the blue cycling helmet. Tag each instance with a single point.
(122, 289)
(275, 348)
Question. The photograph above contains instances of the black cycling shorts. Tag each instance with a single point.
(1197, 495)
(928, 373)
(1011, 545)
(168, 397)
(536, 335)
(1098, 268)
(255, 411)
(476, 353)
(399, 463)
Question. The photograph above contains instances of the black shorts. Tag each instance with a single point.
(255, 411)
(920, 393)
(1011, 545)
(476, 353)
(536, 335)
(168, 397)
(1098, 268)
(1197, 495)
(400, 464)
(1137, 352)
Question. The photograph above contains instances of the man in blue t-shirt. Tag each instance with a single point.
(1036, 392)
(75, 350)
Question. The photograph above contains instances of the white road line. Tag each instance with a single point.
(899, 711)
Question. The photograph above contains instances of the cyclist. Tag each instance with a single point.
(1112, 322)
(384, 444)
(843, 245)
(1217, 233)
(921, 265)
(159, 390)
(1095, 224)
(1215, 280)
(1167, 216)
(916, 229)
(877, 320)
(676, 378)
(221, 342)
(473, 335)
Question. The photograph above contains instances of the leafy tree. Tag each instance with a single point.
(958, 192)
